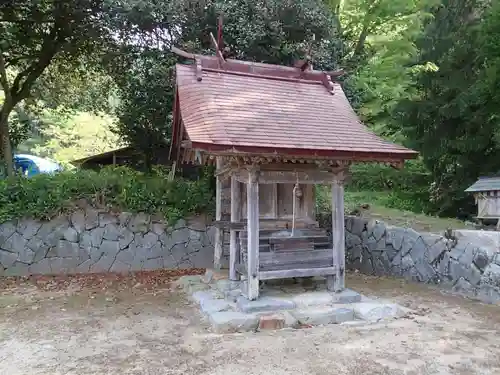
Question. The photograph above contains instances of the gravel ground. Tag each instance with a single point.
(81, 330)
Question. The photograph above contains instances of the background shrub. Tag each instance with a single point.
(45, 196)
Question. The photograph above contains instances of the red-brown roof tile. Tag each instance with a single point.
(242, 110)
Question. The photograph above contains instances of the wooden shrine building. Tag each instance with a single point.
(273, 132)
(486, 193)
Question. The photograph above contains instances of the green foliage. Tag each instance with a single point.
(423, 73)
(454, 120)
(45, 196)
(146, 100)
(406, 189)
(276, 31)
(46, 47)
(66, 137)
(381, 177)
(380, 56)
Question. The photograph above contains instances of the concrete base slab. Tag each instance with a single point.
(233, 321)
(324, 315)
(191, 288)
(215, 305)
(314, 298)
(229, 311)
(346, 296)
(264, 304)
(290, 320)
(212, 275)
(200, 296)
(225, 285)
(232, 295)
(372, 311)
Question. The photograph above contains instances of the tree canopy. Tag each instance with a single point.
(454, 120)
(46, 46)
(421, 72)
(275, 31)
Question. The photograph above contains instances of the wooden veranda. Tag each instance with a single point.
(273, 132)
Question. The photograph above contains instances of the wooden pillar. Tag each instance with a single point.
(253, 234)
(218, 215)
(337, 283)
(234, 253)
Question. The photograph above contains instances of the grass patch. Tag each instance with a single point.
(380, 208)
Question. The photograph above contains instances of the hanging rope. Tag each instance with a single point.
(295, 188)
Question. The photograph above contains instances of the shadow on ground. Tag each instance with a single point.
(135, 330)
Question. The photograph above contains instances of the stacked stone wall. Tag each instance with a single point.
(90, 240)
(467, 261)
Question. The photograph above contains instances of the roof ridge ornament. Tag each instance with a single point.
(305, 64)
(218, 43)
(327, 82)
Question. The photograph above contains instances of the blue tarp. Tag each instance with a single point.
(31, 165)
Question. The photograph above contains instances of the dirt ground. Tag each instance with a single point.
(84, 330)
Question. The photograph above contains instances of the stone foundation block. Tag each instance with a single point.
(290, 320)
(263, 304)
(230, 321)
(324, 315)
(313, 299)
(192, 288)
(208, 277)
(215, 305)
(201, 296)
(212, 275)
(232, 295)
(346, 296)
(224, 285)
(377, 311)
(205, 295)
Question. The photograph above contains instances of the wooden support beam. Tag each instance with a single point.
(335, 73)
(182, 53)
(252, 281)
(218, 52)
(297, 165)
(288, 177)
(186, 144)
(300, 272)
(337, 283)
(234, 254)
(218, 215)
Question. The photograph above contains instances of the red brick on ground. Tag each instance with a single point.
(272, 322)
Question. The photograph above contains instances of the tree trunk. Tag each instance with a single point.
(365, 31)
(5, 145)
(360, 45)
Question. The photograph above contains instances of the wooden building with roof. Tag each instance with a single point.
(273, 132)
(486, 191)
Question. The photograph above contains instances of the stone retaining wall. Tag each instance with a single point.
(94, 241)
(90, 240)
(468, 261)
